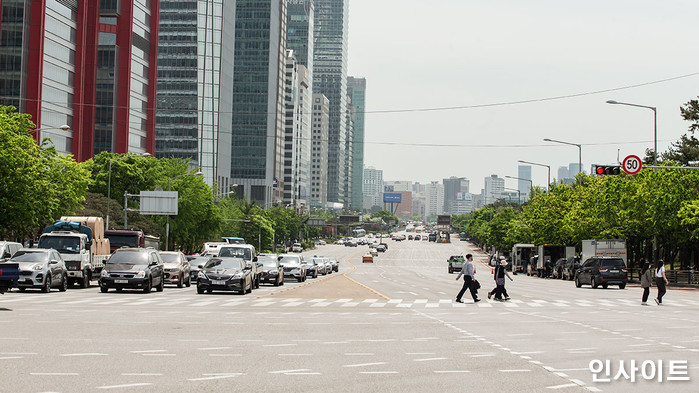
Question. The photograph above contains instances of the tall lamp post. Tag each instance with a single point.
(519, 194)
(64, 127)
(167, 222)
(655, 125)
(544, 165)
(655, 153)
(531, 183)
(109, 181)
(572, 144)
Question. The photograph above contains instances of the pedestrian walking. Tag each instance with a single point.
(660, 281)
(499, 275)
(646, 280)
(470, 282)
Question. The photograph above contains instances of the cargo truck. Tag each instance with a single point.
(521, 254)
(119, 238)
(548, 253)
(81, 243)
(604, 248)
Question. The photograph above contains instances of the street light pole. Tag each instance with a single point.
(655, 125)
(572, 144)
(531, 183)
(519, 194)
(544, 165)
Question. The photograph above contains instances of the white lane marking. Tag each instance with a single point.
(515, 371)
(11, 357)
(304, 373)
(213, 348)
(567, 385)
(420, 353)
(159, 354)
(289, 371)
(85, 354)
(527, 353)
(18, 353)
(55, 374)
(130, 385)
(428, 359)
(141, 374)
(150, 351)
(225, 354)
(451, 371)
(359, 354)
(295, 354)
(209, 377)
(364, 364)
(378, 372)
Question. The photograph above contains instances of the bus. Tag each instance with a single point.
(359, 232)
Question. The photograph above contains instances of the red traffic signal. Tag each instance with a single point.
(606, 169)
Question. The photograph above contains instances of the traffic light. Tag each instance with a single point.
(606, 169)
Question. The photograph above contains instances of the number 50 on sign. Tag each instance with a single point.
(631, 164)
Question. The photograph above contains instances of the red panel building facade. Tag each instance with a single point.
(88, 64)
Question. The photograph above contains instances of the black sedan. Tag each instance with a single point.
(133, 268)
(272, 271)
(225, 274)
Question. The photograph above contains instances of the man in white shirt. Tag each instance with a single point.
(469, 280)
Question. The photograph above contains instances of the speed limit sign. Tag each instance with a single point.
(631, 165)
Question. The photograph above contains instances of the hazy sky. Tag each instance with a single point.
(419, 54)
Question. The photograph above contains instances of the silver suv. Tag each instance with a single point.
(41, 268)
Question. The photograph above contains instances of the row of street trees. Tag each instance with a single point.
(656, 203)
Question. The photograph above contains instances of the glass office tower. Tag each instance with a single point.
(357, 90)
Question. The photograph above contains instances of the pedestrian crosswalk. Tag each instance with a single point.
(180, 300)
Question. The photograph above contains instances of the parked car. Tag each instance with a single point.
(602, 271)
(367, 258)
(294, 267)
(320, 264)
(133, 268)
(177, 269)
(40, 268)
(272, 270)
(335, 264)
(570, 267)
(8, 249)
(195, 265)
(226, 274)
(297, 247)
(558, 268)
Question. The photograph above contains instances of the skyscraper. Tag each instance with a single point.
(89, 65)
(299, 37)
(456, 195)
(524, 186)
(195, 85)
(330, 79)
(434, 200)
(319, 151)
(494, 188)
(372, 188)
(258, 100)
(356, 88)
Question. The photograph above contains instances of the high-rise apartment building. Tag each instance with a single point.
(319, 151)
(372, 189)
(356, 89)
(85, 64)
(434, 200)
(330, 78)
(524, 184)
(494, 189)
(195, 85)
(457, 199)
(297, 133)
(258, 100)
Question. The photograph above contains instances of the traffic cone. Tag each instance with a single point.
(492, 271)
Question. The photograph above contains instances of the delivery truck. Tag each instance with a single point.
(547, 255)
(604, 248)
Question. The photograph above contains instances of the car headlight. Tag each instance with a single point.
(238, 276)
(38, 267)
(141, 274)
(104, 273)
(201, 275)
(272, 272)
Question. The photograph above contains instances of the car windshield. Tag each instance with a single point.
(118, 240)
(64, 244)
(128, 258)
(28, 256)
(170, 258)
(224, 263)
(268, 261)
(290, 261)
(613, 263)
(198, 261)
(236, 252)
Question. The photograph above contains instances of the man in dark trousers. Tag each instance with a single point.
(469, 280)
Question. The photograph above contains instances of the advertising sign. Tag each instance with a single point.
(392, 197)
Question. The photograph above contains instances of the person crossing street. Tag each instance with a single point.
(499, 275)
(469, 280)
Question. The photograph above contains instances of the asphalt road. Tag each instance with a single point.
(391, 326)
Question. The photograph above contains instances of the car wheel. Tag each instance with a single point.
(22, 289)
(622, 286)
(200, 290)
(593, 283)
(119, 289)
(64, 284)
(104, 289)
(47, 284)
(578, 284)
(209, 291)
(148, 287)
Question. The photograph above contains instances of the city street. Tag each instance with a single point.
(391, 326)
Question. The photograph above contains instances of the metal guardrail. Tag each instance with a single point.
(685, 277)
